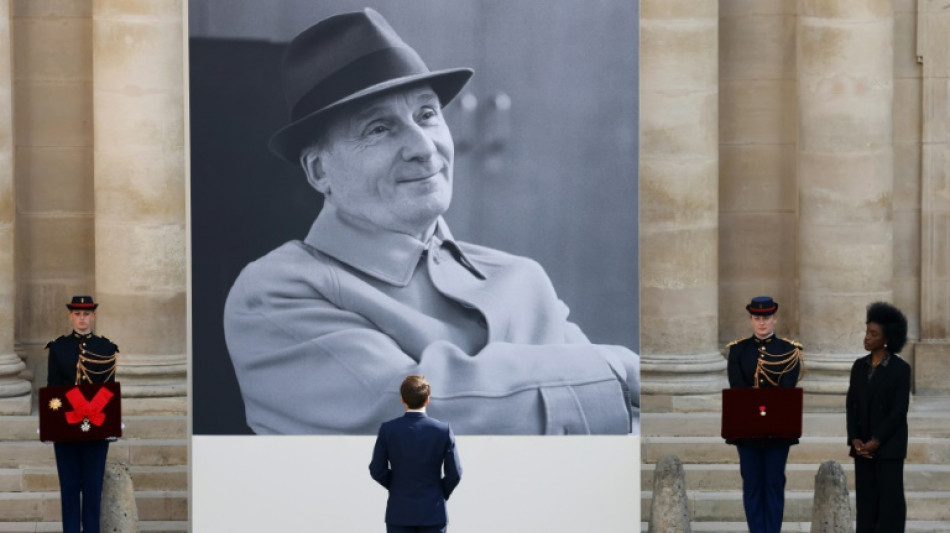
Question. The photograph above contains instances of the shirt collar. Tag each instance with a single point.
(386, 255)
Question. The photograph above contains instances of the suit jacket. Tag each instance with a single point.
(416, 460)
(878, 408)
(322, 332)
(743, 359)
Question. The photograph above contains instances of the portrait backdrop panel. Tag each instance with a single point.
(546, 153)
(533, 484)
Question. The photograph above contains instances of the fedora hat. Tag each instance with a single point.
(342, 59)
(82, 303)
(762, 306)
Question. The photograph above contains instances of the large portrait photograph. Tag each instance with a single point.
(432, 188)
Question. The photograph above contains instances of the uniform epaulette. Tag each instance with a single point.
(57, 339)
(737, 341)
(793, 343)
(110, 342)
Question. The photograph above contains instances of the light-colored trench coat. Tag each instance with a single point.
(321, 335)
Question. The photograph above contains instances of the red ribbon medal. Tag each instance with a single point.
(87, 410)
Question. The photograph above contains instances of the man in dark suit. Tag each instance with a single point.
(409, 458)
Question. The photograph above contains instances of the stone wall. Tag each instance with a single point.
(832, 183)
(95, 202)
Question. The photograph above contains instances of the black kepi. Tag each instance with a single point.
(82, 303)
(762, 306)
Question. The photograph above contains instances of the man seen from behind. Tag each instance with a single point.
(416, 460)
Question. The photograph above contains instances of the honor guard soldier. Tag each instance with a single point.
(80, 358)
(764, 360)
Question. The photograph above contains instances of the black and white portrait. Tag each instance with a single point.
(437, 188)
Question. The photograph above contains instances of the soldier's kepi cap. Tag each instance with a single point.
(82, 303)
(346, 58)
(762, 306)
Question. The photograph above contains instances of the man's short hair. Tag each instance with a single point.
(414, 391)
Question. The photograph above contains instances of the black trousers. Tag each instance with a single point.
(763, 486)
(879, 494)
(81, 467)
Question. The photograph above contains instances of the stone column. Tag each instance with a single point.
(932, 358)
(846, 176)
(14, 392)
(140, 196)
(682, 367)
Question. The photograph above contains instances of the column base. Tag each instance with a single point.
(682, 383)
(154, 406)
(931, 368)
(16, 395)
(17, 405)
(153, 384)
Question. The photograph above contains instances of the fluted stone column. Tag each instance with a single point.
(681, 365)
(14, 392)
(932, 358)
(845, 176)
(140, 196)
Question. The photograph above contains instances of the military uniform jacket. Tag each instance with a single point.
(744, 355)
(64, 358)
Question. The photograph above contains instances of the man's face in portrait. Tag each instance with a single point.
(387, 161)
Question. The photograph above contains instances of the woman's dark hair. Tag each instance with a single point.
(892, 322)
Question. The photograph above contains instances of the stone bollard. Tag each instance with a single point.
(669, 510)
(831, 512)
(119, 513)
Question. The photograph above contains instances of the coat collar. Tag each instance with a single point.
(388, 256)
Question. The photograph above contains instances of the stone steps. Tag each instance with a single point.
(45, 507)
(726, 506)
(19, 454)
(931, 424)
(155, 447)
(56, 527)
(798, 527)
(24, 428)
(714, 484)
(917, 477)
(811, 450)
(44, 478)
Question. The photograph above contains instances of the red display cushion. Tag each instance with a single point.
(80, 412)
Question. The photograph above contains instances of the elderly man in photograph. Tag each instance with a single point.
(416, 460)
(322, 331)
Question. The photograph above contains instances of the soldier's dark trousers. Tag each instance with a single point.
(81, 467)
(763, 486)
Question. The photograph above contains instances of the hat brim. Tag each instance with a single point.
(288, 141)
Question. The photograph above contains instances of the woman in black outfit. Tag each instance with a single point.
(877, 401)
